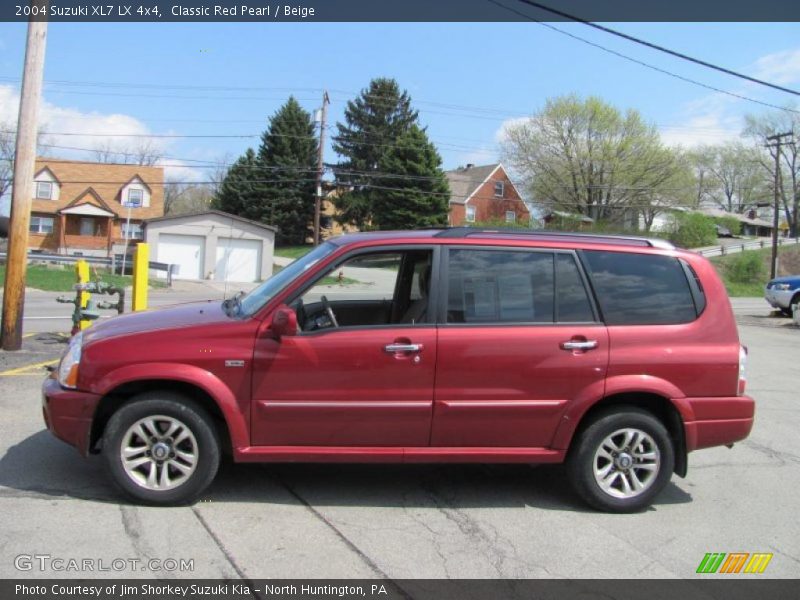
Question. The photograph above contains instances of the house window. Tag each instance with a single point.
(135, 197)
(87, 226)
(132, 231)
(42, 225)
(499, 189)
(511, 216)
(470, 214)
(44, 190)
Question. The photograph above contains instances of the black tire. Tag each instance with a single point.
(586, 449)
(165, 409)
(788, 311)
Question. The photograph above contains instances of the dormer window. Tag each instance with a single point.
(44, 190)
(499, 189)
(135, 197)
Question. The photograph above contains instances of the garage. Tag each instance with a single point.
(237, 260)
(184, 251)
(211, 245)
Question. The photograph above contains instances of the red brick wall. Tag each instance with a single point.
(488, 207)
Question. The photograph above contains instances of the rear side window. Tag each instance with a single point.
(494, 286)
(640, 289)
(487, 286)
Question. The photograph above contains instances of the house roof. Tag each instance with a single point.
(716, 212)
(134, 178)
(48, 170)
(88, 197)
(212, 212)
(465, 181)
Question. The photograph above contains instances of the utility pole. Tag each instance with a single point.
(778, 142)
(320, 166)
(24, 161)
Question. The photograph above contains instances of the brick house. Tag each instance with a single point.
(82, 207)
(484, 193)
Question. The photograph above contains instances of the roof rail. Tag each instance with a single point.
(462, 232)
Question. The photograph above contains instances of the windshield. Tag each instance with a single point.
(252, 302)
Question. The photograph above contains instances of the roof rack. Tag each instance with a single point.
(462, 232)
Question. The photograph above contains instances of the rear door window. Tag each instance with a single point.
(640, 289)
(496, 286)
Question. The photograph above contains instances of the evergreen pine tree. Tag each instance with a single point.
(288, 155)
(373, 123)
(240, 193)
(422, 195)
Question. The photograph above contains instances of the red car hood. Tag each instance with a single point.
(181, 315)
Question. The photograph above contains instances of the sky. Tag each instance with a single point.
(468, 80)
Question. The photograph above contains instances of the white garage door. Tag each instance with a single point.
(186, 251)
(238, 260)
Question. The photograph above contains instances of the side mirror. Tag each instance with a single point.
(284, 322)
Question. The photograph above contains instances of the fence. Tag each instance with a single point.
(95, 260)
(741, 247)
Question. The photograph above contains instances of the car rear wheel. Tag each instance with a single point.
(621, 460)
(161, 448)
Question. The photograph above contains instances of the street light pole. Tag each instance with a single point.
(320, 167)
(22, 194)
(778, 142)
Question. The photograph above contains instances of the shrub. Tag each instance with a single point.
(733, 224)
(746, 267)
(692, 230)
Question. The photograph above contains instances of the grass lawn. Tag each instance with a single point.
(55, 279)
(788, 264)
(292, 251)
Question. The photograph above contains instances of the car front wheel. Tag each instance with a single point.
(621, 460)
(161, 448)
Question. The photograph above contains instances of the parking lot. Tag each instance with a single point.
(351, 521)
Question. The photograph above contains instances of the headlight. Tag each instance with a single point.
(68, 369)
(783, 286)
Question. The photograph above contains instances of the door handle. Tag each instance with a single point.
(394, 348)
(579, 345)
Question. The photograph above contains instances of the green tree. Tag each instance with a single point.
(759, 128)
(240, 193)
(288, 160)
(733, 178)
(373, 123)
(584, 156)
(417, 193)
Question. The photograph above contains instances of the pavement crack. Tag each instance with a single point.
(349, 543)
(227, 554)
(132, 525)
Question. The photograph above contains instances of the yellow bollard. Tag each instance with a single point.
(82, 274)
(141, 264)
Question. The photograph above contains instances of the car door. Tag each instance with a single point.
(520, 340)
(361, 383)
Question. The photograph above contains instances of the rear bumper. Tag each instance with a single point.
(719, 421)
(68, 414)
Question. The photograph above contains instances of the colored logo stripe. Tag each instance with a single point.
(734, 563)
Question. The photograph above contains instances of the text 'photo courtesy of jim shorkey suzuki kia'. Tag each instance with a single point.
(614, 355)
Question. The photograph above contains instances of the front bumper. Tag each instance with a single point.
(779, 298)
(68, 413)
(719, 421)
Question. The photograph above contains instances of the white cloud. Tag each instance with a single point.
(114, 128)
(780, 67)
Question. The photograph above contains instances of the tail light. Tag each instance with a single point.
(742, 369)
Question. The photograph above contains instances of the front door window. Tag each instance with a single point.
(87, 227)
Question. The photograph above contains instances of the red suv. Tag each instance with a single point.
(617, 356)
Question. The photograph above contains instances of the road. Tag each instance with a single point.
(375, 521)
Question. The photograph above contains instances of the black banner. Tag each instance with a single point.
(156, 11)
(731, 588)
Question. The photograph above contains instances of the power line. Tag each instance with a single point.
(660, 48)
(644, 64)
